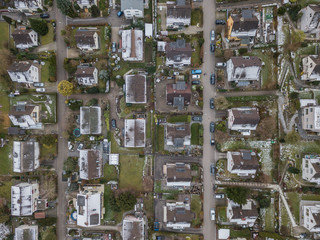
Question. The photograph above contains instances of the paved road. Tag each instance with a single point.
(209, 152)
(247, 93)
(244, 4)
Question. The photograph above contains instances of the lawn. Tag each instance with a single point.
(160, 139)
(197, 17)
(4, 34)
(115, 148)
(250, 98)
(48, 151)
(45, 72)
(5, 190)
(148, 52)
(269, 218)
(196, 208)
(244, 233)
(109, 214)
(310, 197)
(149, 126)
(131, 167)
(178, 119)
(110, 172)
(196, 55)
(196, 133)
(294, 202)
(222, 214)
(6, 162)
(48, 38)
(4, 110)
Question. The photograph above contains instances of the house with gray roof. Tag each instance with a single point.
(311, 68)
(132, 45)
(243, 215)
(25, 156)
(25, 116)
(87, 39)
(178, 14)
(86, 3)
(86, 75)
(310, 20)
(90, 164)
(90, 120)
(310, 216)
(311, 168)
(243, 162)
(178, 94)
(177, 135)
(178, 53)
(177, 175)
(244, 119)
(25, 38)
(136, 89)
(134, 132)
(132, 8)
(133, 228)
(25, 72)
(28, 5)
(26, 232)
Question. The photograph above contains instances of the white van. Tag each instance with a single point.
(196, 76)
(221, 64)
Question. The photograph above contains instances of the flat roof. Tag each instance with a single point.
(135, 132)
(90, 120)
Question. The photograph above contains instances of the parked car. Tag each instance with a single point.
(212, 169)
(119, 14)
(38, 84)
(44, 15)
(156, 226)
(212, 79)
(212, 215)
(220, 195)
(113, 123)
(221, 64)
(80, 146)
(212, 127)
(220, 22)
(114, 47)
(212, 47)
(40, 89)
(196, 71)
(211, 103)
(212, 142)
(196, 82)
(196, 76)
(212, 35)
(197, 118)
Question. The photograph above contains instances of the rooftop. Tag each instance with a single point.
(136, 89)
(245, 160)
(245, 115)
(133, 228)
(245, 21)
(85, 37)
(21, 36)
(135, 132)
(90, 164)
(178, 50)
(132, 4)
(84, 71)
(244, 211)
(25, 156)
(90, 120)
(132, 45)
(178, 172)
(26, 232)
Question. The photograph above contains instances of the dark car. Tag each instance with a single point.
(212, 169)
(211, 103)
(212, 79)
(44, 15)
(212, 142)
(212, 47)
(220, 22)
(212, 127)
(197, 118)
(196, 82)
(113, 123)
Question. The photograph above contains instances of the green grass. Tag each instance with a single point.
(197, 17)
(244, 233)
(294, 202)
(178, 119)
(148, 13)
(148, 126)
(160, 139)
(6, 162)
(5, 190)
(311, 197)
(148, 50)
(45, 72)
(269, 219)
(195, 55)
(48, 151)
(195, 133)
(110, 172)
(222, 214)
(109, 214)
(4, 110)
(48, 38)
(115, 148)
(131, 167)
(250, 98)
(4, 34)
(196, 208)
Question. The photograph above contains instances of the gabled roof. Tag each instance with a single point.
(22, 36)
(246, 116)
(132, 4)
(84, 71)
(316, 60)
(244, 211)
(181, 9)
(245, 160)
(90, 164)
(21, 110)
(246, 61)
(136, 89)
(178, 172)
(178, 50)
(21, 66)
(178, 130)
(314, 7)
(90, 120)
(85, 37)
(25, 156)
(245, 21)
(135, 132)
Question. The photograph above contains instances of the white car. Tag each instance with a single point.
(221, 64)
(196, 76)
(212, 35)
(212, 214)
(219, 195)
(40, 89)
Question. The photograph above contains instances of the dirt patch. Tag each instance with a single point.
(148, 184)
(48, 186)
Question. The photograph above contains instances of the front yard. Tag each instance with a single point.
(4, 34)
(131, 167)
(48, 38)
(6, 161)
(196, 208)
(196, 134)
(197, 17)
(4, 110)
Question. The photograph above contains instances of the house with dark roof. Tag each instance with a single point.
(311, 68)
(310, 216)
(16, 131)
(242, 162)
(86, 3)
(178, 14)
(244, 70)
(178, 94)
(177, 175)
(87, 75)
(134, 133)
(177, 135)
(136, 89)
(310, 20)
(243, 27)
(311, 168)
(132, 45)
(25, 156)
(26, 232)
(133, 228)
(25, 72)
(87, 39)
(244, 215)
(28, 5)
(244, 119)
(132, 8)
(25, 116)
(178, 53)
(90, 164)
(25, 38)
(90, 120)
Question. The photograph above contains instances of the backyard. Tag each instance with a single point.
(4, 110)
(196, 208)
(131, 167)
(48, 38)
(4, 34)
(110, 172)
(6, 162)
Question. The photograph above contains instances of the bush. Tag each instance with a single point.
(281, 11)
(294, 12)
(70, 165)
(293, 170)
(263, 199)
(292, 137)
(39, 25)
(93, 90)
(49, 221)
(243, 51)
(75, 104)
(125, 202)
(238, 194)
(222, 126)
(93, 102)
(95, 12)
(48, 140)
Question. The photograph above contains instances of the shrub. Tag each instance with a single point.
(243, 51)
(39, 25)
(93, 90)
(95, 12)
(293, 170)
(281, 11)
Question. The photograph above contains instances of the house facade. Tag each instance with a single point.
(311, 118)
(28, 5)
(242, 215)
(25, 38)
(86, 3)
(244, 120)
(90, 164)
(178, 54)
(311, 168)
(177, 175)
(310, 20)
(136, 89)
(178, 94)
(25, 156)
(243, 162)
(310, 212)
(87, 75)
(26, 116)
(178, 14)
(87, 39)
(132, 8)
(132, 45)
(25, 72)
(311, 68)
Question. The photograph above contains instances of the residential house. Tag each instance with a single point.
(244, 215)
(136, 89)
(134, 133)
(310, 20)
(244, 119)
(244, 70)
(86, 3)
(178, 94)
(16, 131)
(25, 38)
(25, 156)
(311, 118)
(90, 120)
(24, 198)
(26, 116)
(132, 8)
(177, 175)
(243, 27)
(161, 46)
(28, 5)
(26, 232)
(178, 135)
(178, 53)
(311, 68)
(87, 39)
(89, 205)
(25, 72)
(310, 215)
(178, 214)
(87, 75)
(178, 14)
(133, 228)
(242, 162)
(148, 30)
(132, 45)
(311, 168)
(90, 164)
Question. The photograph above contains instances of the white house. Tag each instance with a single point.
(132, 45)
(25, 156)
(24, 198)
(28, 5)
(310, 215)
(86, 3)
(311, 68)
(90, 164)
(134, 132)
(24, 72)
(29, 232)
(89, 205)
(90, 120)
(177, 175)
(243, 69)
(25, 38)
(311, 168)
(136, 89)
(178, 14)
(244, 119)
(87, 39)
(26, 116)
(243, 215)
(242, 163)
(87, 75)
(178, 135)
(309, 21)
(133, 228)
(311, 118)
(178, 53)
(132, 8)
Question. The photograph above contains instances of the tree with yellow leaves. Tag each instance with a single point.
(65, 88)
